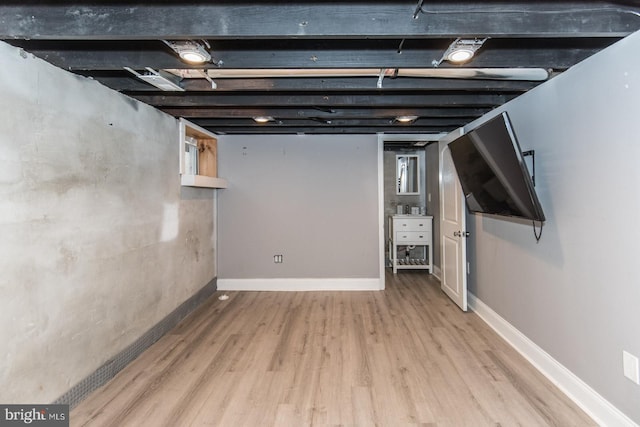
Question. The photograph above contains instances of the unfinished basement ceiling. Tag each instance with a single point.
(319, 67)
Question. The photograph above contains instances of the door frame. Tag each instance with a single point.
(382, 138)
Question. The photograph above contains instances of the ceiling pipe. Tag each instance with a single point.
(524, 74)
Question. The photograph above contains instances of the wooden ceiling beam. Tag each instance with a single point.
(188, 99)
(360, 84)
(116, 55)
(318, 121)
(70, 20)
(275, 130)
(337, 113)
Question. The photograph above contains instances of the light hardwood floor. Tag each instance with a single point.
(403, 356)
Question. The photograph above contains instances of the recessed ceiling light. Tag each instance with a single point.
(460, 55)
(195, 56)
(190, 51)
(263, 119)
(406, 119)
(460, 51)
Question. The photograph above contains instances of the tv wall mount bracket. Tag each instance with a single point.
(531, 153)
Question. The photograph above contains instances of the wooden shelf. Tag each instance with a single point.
(201, 170)
(203, 181)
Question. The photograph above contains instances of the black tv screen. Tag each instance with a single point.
(492, 172)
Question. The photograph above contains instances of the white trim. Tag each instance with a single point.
(203, 181)
(214, 235)
(381, 218)
(437, 273)
(381, 236)
(364, 284)
(596, 406)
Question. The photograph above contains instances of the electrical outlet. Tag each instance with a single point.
(630, 367)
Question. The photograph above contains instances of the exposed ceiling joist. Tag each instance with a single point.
(352, 84)
(276, 130)
(531, 53)
(327, 46)
(319, 20)
(219, 123)
(189, 99)
(342, 113)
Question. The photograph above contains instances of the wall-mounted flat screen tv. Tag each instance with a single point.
(492, 171)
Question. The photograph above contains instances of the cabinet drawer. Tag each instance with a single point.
(412, 224)
(413, 237)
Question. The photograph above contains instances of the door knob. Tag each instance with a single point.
(457, 234)
(466, 234)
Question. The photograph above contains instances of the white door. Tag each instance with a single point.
(453, 245)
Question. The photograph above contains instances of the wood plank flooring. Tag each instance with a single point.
(405, 356)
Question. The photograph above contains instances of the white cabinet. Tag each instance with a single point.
(411, 232)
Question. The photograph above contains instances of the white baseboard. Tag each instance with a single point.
(373, 284)
(597, 407)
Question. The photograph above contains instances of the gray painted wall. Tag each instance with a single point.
(576, 293)
(99, 241)
(313, 199)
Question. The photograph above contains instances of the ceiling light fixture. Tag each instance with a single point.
(459, 55)
(190, 51)
(263, 119)
(406, 119)
(460, 51)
